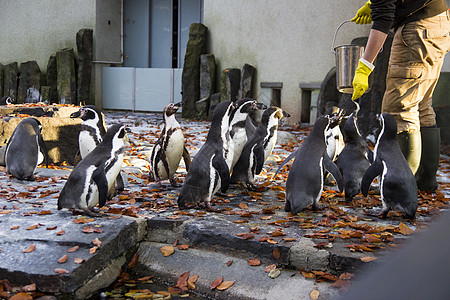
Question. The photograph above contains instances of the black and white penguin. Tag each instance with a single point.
(25, 150)
(209, 171)
(355, 158)
(236, 135)
(93, 176)
(305, 181)
(333, 135)
(258, 148)
(93, 129)
(169, 148)
(398, 187)
(6, 100)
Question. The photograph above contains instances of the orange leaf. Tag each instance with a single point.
(79, 260)
(21, 296)
(243, 206)
(270, 268)
(30, 249)
(167, 250)
(346, 276)
(276, 253)
(216, 282)
(29, 288)
(308, 275)
(405, 230)
(83, 220)
(61, 232)
(225, 285)
(93, 249)
(52, 228)
(32, 227)
(61, 271)
(73, 249)
(97, 242)
(254, 262)
(15, 227)
(191, 282)
(314, 295)
(183, 247)
(133, 262)
(63, 259)
(368, 258)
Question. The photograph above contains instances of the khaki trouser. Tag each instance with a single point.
(417, 54)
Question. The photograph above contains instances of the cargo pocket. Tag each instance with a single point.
(408, 72)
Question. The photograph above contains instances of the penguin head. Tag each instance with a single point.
(88, 112)
(117, 133)
(247, 105)
(335, 116)
(273, 114)
(388, 126)
(171, 108)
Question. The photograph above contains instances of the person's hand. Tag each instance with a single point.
(363, 15)
(361, 79)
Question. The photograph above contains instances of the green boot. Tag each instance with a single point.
(429, 163)
(410, 144)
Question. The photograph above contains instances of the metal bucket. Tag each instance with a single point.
(347, 59)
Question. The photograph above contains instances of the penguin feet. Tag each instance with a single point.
(173, 181)
(89, 212)
(254, 188)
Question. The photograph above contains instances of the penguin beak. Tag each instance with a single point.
(285, 114)
(76, 114)
(178, 105)
(261, 106)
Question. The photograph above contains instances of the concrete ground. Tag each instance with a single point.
(244, 237)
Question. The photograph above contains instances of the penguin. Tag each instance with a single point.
(93, 129)
(305, 180)
(355, 158)
(398, 187)
(168, 149)
(258, 148)
(93, 176)
(236, 135)
(6, 100)
(209, 171)
(333, 135)
(25, 150)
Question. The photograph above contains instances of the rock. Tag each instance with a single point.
(214, 100)
(284, 137)
(304, 254)
(52, 79)
(229, 84)
(190, 81)
(46, 93)
(29, 83)
(207, 84)
(247, 80)
(85, 54)
(66, 81)
(11, 80)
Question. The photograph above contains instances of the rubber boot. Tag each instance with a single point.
(429, 163)
(411, 146)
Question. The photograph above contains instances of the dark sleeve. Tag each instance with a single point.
(383, 13)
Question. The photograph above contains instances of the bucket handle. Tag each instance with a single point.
(335, 33)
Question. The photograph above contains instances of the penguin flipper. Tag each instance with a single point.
(331, 167)
(163, 156)
(186, 158)
(99, 178)
(259, 154)
(43, 149)
(373, 171)
(369, 154)
(289, 158)
(221, 166)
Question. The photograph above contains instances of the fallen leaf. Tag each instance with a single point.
(167, 250)
(73, 249)
(88, 229)
(368, 258)
(29, 288)
(93, 249)
(405, 230)
(15, 227)
(270, 268)
(191, 282)
(61, 232)
(346, 276)
(32, 227)
(225, 285)
(274, 273)
(314, 295)
(83, 220)
(229, 263)
(52, 228)
(308, 274)
(30, 249)
(133, 262)
(254, 262)
(243, 206)
(216, 282)
(61, 271)
(183, 247)
(276, 253)
(21, 296)
(63, 259)
(182, 280)
(79, 260)
(96, 242)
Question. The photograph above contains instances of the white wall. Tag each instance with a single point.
(287, 41)
(36, 29)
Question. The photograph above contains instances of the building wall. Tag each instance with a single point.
(36, 29)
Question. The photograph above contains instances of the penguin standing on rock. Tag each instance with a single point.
(258, 148)
(94, 175)
(209, 171)
(236, 136)
(305, 181)
(25, 150)
(398, 187)
(355, 158)
(169, 148)
(93, 130)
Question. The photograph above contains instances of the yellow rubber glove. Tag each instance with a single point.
(363, 15)
(361, 79)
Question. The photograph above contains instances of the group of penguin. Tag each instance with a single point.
(235, 151)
